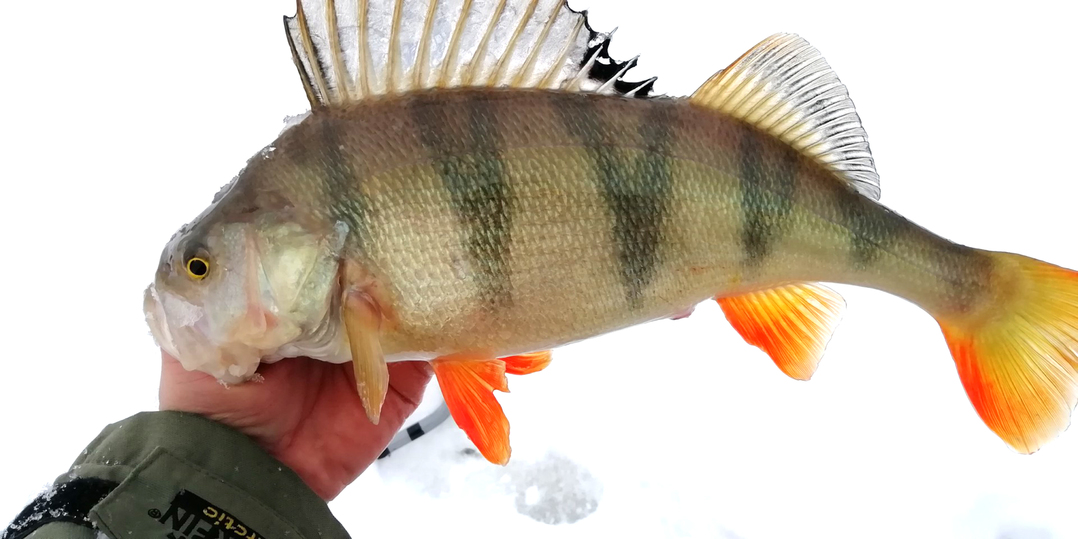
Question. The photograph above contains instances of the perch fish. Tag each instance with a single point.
(479, 182)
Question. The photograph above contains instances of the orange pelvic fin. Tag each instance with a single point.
(792, 323)
(468, 385)
(527, 363)
(1017, 355)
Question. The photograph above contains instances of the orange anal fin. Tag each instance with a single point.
(527, 363)
(792, 323)
(468, 386)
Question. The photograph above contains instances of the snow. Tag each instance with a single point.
(135, 114)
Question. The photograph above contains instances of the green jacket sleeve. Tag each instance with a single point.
(174, 475)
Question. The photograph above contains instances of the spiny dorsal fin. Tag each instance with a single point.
(349, 50)
(784, 86)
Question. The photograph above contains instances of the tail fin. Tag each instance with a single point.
(1018, 356)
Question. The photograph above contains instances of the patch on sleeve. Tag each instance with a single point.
(167, 497)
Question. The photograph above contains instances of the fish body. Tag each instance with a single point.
(509, 221)
(476, 214)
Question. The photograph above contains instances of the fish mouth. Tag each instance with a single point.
(183, 331)
(154, 312)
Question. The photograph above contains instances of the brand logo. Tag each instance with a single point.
(192, 517)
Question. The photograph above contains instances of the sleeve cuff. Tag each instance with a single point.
(184, 474)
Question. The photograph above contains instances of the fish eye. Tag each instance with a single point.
(197, 268)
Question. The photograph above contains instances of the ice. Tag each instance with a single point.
(554, 490)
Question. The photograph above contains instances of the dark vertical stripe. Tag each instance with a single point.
(318, 148)
(644, 200)
(869, 234)
(472, 171)
(636, 190)
(767, 191)
(875, 231)
(872, 228)
(485, 205)
(341, 178)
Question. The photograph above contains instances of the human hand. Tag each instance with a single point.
(304, 412)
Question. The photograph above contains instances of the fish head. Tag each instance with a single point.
(228, 295)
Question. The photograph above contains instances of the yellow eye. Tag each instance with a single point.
(198, 268)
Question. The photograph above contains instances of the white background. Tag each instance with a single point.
(121, 119)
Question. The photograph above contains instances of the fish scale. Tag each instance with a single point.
(484, 198)
(647, 209)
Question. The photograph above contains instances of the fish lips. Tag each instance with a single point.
(182, 331)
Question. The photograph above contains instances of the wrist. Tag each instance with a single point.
(161, 461)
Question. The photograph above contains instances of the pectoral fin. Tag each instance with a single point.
(362, 323)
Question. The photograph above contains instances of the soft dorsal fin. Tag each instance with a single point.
(349, 50)
(784, 86)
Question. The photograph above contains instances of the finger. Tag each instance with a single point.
(174, 376)
(409, 380)
(170, 366)
(173, 371)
